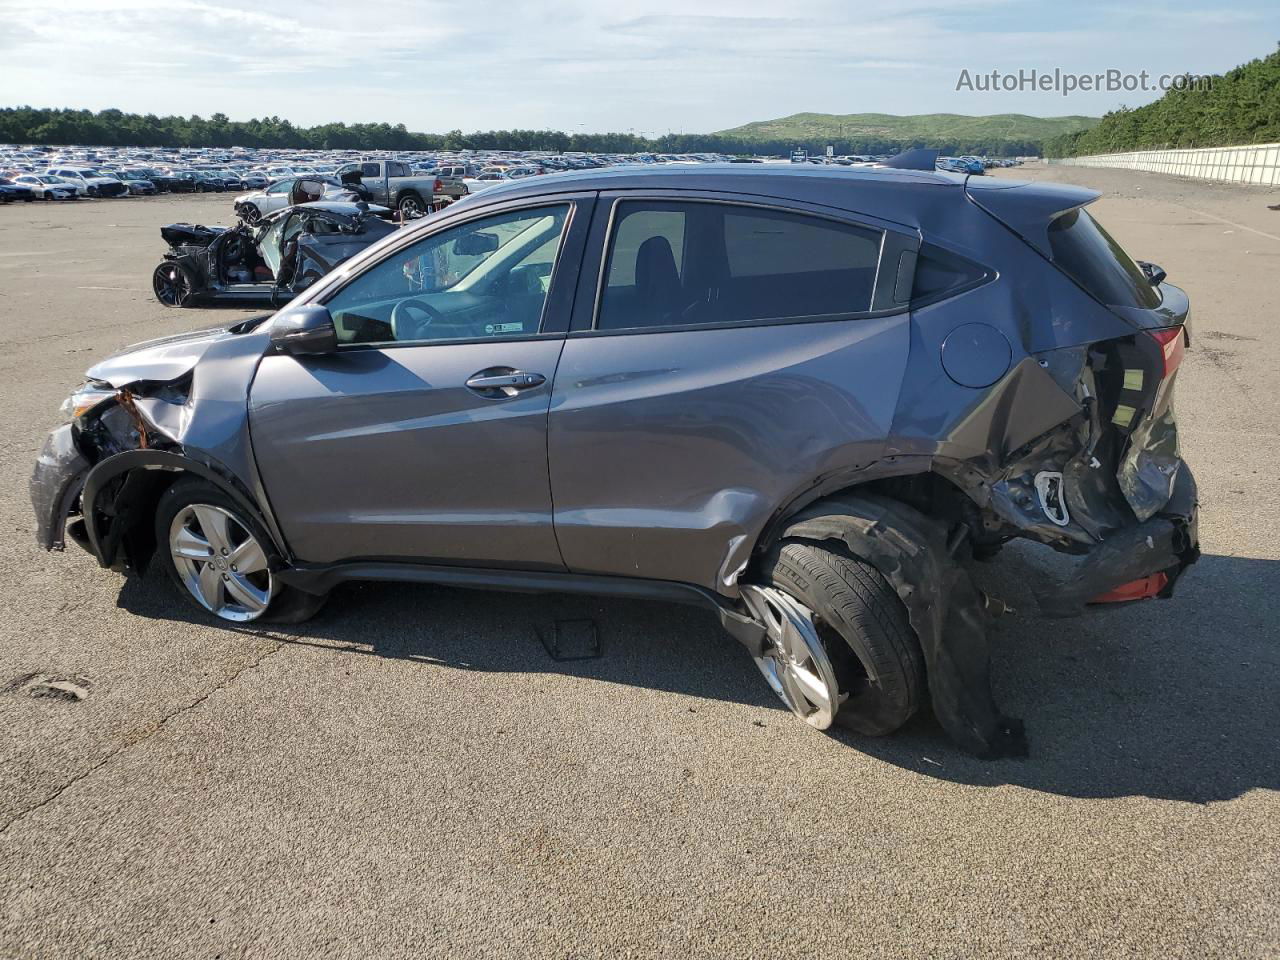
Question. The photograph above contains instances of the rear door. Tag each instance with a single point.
(726, 353)
(424, 437)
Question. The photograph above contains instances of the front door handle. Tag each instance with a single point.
(500, 383)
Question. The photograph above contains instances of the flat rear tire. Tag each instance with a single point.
(874, 652)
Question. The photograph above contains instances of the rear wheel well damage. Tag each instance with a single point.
(917, 555)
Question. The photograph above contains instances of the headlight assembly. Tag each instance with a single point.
(85, 398)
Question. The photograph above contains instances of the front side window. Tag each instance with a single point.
(678, 263)
(485, 278)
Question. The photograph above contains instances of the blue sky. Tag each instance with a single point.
(644, 65)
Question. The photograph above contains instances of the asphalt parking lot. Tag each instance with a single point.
(411, 775)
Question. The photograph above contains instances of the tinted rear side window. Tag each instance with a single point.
(1094, 260)
(940, 273)
(673, 264)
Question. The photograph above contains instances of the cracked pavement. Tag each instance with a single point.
(411, 775)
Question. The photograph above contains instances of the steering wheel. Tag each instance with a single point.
(406, 326)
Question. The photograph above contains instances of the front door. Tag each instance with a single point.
(424, 437)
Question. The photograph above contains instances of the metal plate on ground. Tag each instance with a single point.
(571, 640)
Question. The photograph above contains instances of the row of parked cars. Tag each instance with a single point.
(41, 173)
(72, 182)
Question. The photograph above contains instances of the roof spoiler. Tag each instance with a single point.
(921, 158)
(1027, 208)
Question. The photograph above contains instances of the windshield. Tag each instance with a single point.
(1090, 256)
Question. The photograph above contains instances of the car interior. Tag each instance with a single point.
(488, 278)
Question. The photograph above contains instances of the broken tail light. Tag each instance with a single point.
(1141, 589)
(1173, 345)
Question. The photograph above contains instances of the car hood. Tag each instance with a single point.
(167, 358)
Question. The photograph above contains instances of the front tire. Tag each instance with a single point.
(249, 213)
(220, 559)
(172, 284)
(875, 654)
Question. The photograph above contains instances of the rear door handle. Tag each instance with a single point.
(499, 383)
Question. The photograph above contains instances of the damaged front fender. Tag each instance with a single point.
(119, 491)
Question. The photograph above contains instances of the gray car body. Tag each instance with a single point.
(658, 460)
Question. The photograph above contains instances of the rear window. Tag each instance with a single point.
(675, 263)
(1090, 256)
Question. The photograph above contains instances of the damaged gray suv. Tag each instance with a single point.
(808, 397)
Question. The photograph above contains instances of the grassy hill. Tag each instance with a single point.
(1240, 107)
(926, 128)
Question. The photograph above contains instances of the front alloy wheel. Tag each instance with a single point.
(220, 562)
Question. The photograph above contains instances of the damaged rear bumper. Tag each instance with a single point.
(55, 486)
(1167, 543)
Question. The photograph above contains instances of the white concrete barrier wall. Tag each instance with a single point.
(1258, 164)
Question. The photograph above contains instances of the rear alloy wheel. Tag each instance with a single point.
(249, 213)
(411, 206)
(839, 635)
(172, 284)
(220, 562)
(795, 662)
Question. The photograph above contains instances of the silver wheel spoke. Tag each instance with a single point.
(245, 593)
(209, 582)
(248, 557)
(810, 687)
(191, 545)
(214, 524)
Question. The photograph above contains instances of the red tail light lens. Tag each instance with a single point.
(1173, 344)
(437, 187)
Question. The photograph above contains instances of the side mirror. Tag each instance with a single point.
(475, 244)
(304, 331)
(1155, 273)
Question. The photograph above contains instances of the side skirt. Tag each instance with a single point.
(318, 579)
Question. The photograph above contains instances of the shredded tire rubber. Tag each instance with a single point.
(944, 608)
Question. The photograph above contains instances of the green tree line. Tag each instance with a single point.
(108, 128)
(1239, 107)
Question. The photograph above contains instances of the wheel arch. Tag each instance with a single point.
(917, 554)
(120, 497)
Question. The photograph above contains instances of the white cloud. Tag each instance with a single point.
(649, 65)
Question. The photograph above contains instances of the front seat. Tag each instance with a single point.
(658, 289)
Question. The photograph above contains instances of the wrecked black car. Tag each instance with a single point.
(806, 397)
(268, 262)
